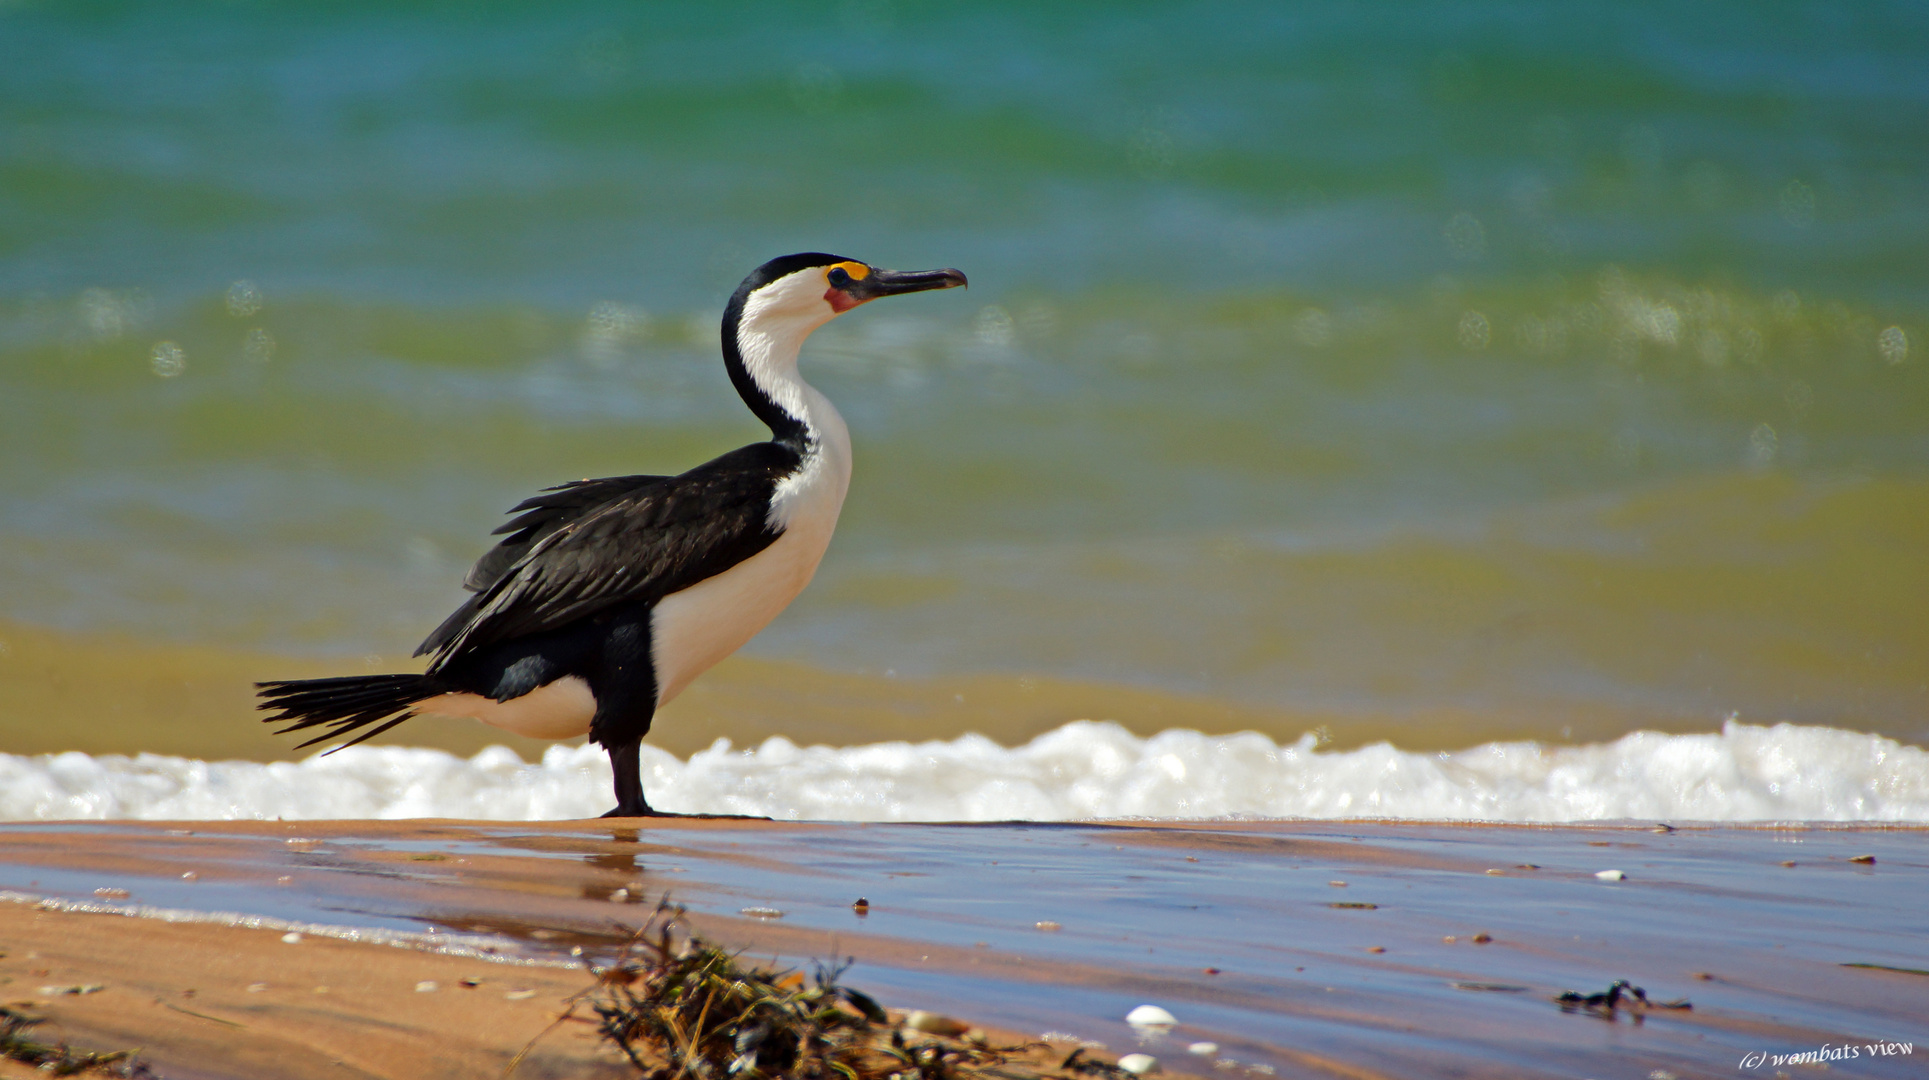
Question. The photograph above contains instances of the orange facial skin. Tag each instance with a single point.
(839, 300)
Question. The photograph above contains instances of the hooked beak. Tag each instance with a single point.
(897, 282)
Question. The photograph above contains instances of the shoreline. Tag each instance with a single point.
(1236, 927)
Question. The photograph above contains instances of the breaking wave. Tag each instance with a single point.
(1082, 770)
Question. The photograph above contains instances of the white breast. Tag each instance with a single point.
(693, 629)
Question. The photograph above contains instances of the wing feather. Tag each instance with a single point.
(543, 514)
(574, 557)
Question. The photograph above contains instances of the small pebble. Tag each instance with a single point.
(620, 896)
(1866, 859)
(1610, 875)
(1150, 1015)
(190, 876)
(1705, 976)
(933, 1024)
(291, 938)
(1203, 1049)
(1139, 1064)
(1376, 948)
(470, 983)
(1528, 866)
(519, 995)
(1212, 971)
(1048, 926)
(861, 906)
(1449, 940)
(256, 988)
(1337, 884)
(284, 879)
(1496, 873)
(427, 986)
(1664, 827)
(1788, 862)
(1192, 858)
(1483, 938)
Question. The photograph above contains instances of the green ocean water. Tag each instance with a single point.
(1383, 358)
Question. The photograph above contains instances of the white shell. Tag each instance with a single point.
(933, 1024)
(1150, 1015)
(1139, 1064)
(1610, 875)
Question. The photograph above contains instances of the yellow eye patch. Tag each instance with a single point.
(857, 270)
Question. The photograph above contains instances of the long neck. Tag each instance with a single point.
(760, 344)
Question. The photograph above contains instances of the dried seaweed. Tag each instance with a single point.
(678, 1006)
(16, 1044)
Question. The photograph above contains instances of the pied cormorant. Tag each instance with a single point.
(608, 596)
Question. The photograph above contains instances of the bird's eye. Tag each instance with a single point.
(839, 277)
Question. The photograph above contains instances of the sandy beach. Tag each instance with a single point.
(1354, 949)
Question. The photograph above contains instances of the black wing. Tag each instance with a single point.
(539, 516)
(642, 542)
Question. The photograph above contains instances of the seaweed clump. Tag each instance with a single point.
(676, 1005)
(1621, 994)
(17, 1044)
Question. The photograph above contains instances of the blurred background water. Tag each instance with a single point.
(1376, 358)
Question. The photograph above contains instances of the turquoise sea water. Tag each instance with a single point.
(1372, 357)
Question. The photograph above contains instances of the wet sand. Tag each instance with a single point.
(1238, 928)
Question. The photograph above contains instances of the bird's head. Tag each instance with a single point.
(800, 293)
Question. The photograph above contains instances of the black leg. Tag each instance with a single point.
(624, 684)
(629, 782)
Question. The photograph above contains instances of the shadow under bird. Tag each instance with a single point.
(607, 597)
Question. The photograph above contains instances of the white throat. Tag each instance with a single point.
(775, 321)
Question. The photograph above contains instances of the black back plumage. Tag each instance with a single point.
(541, 515)
(590, 546)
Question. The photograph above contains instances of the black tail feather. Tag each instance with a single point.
(344, 704)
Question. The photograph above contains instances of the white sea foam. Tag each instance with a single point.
(1081, 770)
